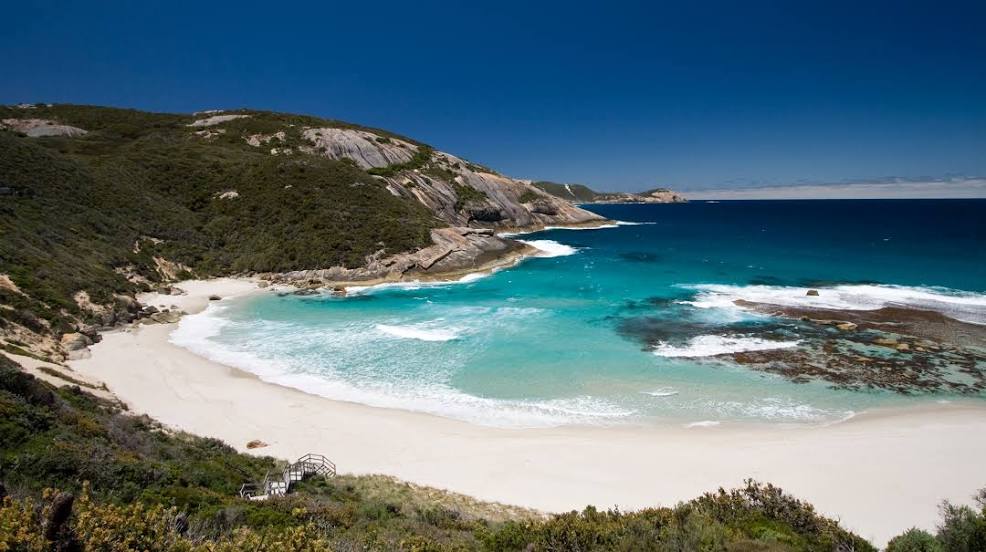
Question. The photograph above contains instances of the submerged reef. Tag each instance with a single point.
(897, 349)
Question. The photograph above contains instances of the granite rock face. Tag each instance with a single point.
(457, 191)
(36, 128)
(455, 250)
(367, 149)
(215, 120)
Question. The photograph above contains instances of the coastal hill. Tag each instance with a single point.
(100, 203)
(580, 193)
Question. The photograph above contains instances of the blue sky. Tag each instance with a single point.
(618, 95)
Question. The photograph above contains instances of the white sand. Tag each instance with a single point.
(879, 473)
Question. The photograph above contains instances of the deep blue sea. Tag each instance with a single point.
(620, 324)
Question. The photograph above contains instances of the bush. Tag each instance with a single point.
(914, 540)
(529, 196)
(962, 529)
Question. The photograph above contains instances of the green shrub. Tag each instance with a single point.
(466, 195)
(914, 540)
(962, 528)
(529, 196)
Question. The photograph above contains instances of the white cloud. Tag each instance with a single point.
(893, 189)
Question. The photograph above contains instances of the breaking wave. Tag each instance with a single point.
(423, 332)
(961, 305)
(712, 345)
(271, 360)
(551, 248)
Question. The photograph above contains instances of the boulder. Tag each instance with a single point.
(214, 297)
(846, 326)
(75, 341)
(166, 317)
(812, 293)
(544, 208)
(256, 443)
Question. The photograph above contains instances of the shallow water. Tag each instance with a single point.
(619, 325)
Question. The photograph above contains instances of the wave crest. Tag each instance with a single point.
(961, 305)
(712, 345)
(419, 332)
(551, 248)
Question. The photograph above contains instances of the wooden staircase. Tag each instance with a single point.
(280, 484)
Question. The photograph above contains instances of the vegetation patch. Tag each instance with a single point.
(417, 161)
(467, 195)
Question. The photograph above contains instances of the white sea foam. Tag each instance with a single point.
(703, 423)
(615, 224)
(272, 361)
(417, 284)
(200, 327)
(599, 227)
(551, 248)
(961, 305)
(711, 345)
(662, 392)
(420, 332)
(774, 409)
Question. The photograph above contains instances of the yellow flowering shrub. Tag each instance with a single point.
(111, 528)
(20, 526)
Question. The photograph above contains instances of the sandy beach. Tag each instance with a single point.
(878, 473)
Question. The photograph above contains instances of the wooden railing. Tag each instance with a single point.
(280, 484)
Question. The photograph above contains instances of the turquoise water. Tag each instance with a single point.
(620, 324)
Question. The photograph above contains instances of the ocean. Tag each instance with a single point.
(637, 323)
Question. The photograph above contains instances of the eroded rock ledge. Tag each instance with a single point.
(455, 251)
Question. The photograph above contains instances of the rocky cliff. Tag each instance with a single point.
(455, 190)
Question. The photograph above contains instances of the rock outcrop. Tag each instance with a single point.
(457, 191)
(36, 128)
(456, 250)
(215, 120)
(367, 149)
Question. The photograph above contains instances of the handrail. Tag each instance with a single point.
(309, 464)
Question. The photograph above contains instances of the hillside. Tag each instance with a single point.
(99, 203)
(579, 193)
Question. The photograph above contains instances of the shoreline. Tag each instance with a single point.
(880, 472)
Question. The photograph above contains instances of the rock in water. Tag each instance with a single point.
(812, 293)
(214, 297)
